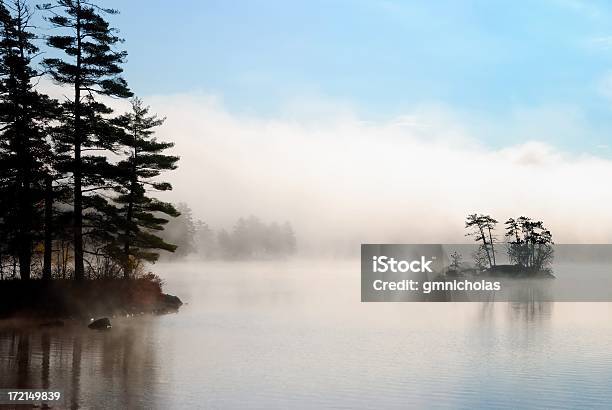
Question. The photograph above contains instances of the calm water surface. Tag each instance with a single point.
(295, 335)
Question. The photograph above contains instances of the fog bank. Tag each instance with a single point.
(342, 180)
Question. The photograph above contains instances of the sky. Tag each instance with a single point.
(540, 70)
(381, 121)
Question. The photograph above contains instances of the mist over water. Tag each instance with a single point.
(294, 334)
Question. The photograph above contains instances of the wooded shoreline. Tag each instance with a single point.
(84, 299)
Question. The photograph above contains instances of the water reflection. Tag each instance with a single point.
(45, 345)
(532, 311)
(106, 369)
(274, 336)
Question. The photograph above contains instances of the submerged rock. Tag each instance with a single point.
(100, 324)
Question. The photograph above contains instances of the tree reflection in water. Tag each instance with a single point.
(112, 368)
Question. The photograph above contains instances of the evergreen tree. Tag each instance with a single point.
(91, 67)
(7, 172)
(143, 215)
(481, 229)
(181, 231)
(25, 150)
(529, 243)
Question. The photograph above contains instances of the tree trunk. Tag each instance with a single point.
(492, 247)
(25, 231)
(24, 177)
(79, 268)
(484, 241)
(130, 211)
(127, 271)
(24, 204)
(48, 227)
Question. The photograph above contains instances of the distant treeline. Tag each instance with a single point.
(249, 238)
(76, 179)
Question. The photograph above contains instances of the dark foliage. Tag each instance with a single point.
(91, 67)
(141, 215)
(76, 180)
(25, 150)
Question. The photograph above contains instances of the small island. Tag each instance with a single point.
(528, 244)
(79, 217)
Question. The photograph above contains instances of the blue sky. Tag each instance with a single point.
(508, 69)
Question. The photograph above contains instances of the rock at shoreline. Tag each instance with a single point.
(171, 302)
(100, 324)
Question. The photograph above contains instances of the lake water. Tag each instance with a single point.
(295, 335)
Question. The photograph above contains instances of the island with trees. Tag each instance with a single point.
(528, 245)
(79, 218)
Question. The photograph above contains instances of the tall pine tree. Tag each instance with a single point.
(25, 116)
(91, 67)
(7, 173)
(143, 215)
